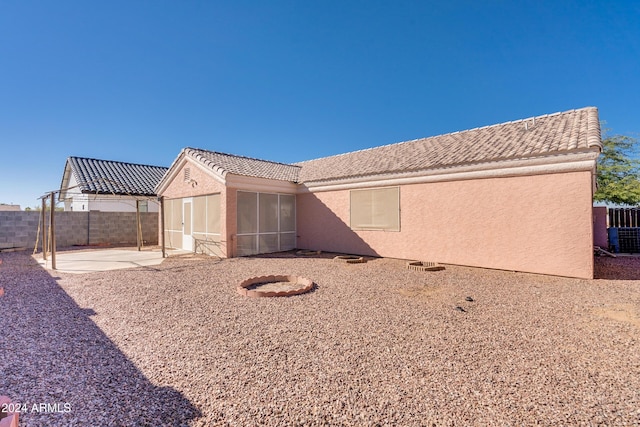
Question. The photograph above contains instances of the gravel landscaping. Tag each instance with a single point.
(374, 343)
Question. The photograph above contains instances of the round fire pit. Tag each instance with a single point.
(424, 266)
(350, 259)
(274, 286)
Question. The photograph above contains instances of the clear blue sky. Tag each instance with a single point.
(137, 81)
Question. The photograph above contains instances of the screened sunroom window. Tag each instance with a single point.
(266, 222)
(375, 209)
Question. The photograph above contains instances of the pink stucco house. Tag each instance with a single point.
(513, 196)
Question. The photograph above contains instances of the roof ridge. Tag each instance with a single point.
(447, 134)
(241, 157)
(115, 161)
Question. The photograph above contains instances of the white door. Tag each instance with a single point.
(187, 240)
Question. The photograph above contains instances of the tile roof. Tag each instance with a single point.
(111, 177)
(569, 131)
(245, 166)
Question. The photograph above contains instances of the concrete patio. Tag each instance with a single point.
(105, 259)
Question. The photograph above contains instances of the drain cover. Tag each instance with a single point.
(424, 266)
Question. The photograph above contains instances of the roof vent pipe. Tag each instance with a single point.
(526, 124)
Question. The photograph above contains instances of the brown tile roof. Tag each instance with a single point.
(246, 166)
(569, 131)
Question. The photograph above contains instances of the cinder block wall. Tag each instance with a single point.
(120, 227)
(18, 229)
(71, 228)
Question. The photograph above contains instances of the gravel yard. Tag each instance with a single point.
(373, 344)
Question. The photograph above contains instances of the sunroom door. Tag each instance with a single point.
(187, 239)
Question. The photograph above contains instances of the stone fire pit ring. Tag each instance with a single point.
(274, 286)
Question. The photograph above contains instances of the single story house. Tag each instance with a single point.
(109, 186)
(513, 196)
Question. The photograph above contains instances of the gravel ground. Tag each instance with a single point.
(373, 344)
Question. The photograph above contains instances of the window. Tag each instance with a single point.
(375, 209)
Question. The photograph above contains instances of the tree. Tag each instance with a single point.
(619, 171)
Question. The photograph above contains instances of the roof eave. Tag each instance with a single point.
(579, 160)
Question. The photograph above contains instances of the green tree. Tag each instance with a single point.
(618, 171)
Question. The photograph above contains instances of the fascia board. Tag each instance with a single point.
(241, 182)
(170, 175)
(216, 173)
(583, 161)
(66, 181)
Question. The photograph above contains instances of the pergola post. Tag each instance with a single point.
(43, 220)
(52, 229)
(164, 250)
(138, 227)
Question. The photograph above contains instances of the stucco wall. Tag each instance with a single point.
(201, 184)
(600, 235)
(232, 220)
(540, 224)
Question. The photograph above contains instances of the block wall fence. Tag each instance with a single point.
(19, 229)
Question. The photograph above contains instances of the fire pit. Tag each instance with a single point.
(274, 286)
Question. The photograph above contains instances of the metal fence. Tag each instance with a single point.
(624, 217)
(624, 230)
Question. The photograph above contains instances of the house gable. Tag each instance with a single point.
(105, 185)
(94, 176)
(231, 170)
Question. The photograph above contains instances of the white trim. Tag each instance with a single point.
(260, 185)
(189, 237)
(217, 176)
(539, 166)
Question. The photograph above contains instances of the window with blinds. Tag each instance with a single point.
(375, 209)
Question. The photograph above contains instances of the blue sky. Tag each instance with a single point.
(137, 81)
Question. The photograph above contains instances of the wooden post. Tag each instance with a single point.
(43, 219)
(164, 250)
(53, 232)
(138, 229)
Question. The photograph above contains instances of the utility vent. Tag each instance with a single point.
(526, 123)
(187, 174)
